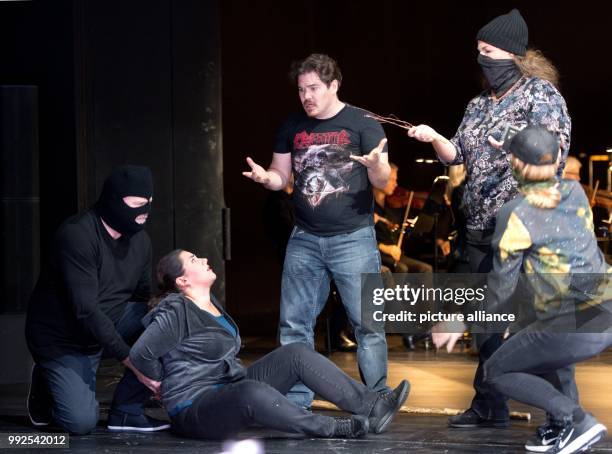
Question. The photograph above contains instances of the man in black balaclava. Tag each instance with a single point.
(89, 300)
(128, 181)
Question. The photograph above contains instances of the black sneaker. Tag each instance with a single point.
(355, 426)
(546, 437)
(578, 437)
(39, 399)
(124, 422)
(386, 407)
(471, 419)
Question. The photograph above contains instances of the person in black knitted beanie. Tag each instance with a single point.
(521, 90)
(508, 32)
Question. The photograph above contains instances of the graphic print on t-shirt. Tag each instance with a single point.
(332, 193)
(322, 163)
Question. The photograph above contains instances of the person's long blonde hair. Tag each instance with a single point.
(535, 64)
(540, 197)
(456, 176)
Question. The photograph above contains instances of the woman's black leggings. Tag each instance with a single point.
(260, 397)
(519, 368)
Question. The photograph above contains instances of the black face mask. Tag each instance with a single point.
(123, 182)
(122, 218)
(501, 74)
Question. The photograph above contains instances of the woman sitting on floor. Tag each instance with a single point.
(191, 343)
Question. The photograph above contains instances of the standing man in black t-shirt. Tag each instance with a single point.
(336, 154)
(91, 298)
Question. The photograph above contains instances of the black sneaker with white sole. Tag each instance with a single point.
(124, 422)
(546, 437)
(39, 399)
(580, 436)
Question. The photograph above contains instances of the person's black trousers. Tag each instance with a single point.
(523, 366)
(488, 401)
(259, 399)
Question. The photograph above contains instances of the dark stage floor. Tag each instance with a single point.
(438, 381)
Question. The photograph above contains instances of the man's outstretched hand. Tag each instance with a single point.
(258, 174)
(372, 159)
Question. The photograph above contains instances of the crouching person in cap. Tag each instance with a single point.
(547, 233)
(89, 300)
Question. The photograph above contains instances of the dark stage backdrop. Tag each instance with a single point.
(149, 93)
(119, 82)
(153, 81)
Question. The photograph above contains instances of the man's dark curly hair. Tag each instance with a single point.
(323, 65)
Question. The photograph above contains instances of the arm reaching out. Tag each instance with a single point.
(447, 333)
(77, 259)
(153, 385)
(277, 175)
(377, 163)
(444, 148)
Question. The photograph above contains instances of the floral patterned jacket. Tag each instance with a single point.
(490, 183)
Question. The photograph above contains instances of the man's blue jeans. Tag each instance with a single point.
(310, 264)
(72, 380)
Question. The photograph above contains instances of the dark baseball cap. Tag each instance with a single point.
(535, 145)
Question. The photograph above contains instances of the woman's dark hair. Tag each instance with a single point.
(323, 65)
(169, 268)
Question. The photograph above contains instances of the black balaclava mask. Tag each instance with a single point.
(500, 74)
(125, 181)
